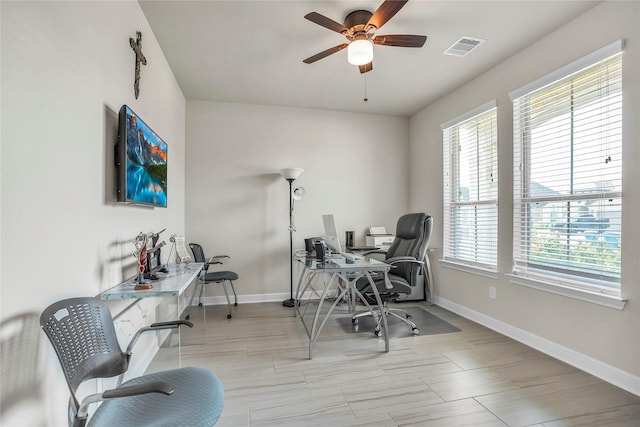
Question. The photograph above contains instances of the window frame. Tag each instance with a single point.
(525, 272)
(451, 188)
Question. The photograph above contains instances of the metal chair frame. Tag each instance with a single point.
(220, 277)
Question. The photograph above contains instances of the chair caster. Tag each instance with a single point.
(354, 320)
(187, 317)
(378, 331)
(228, 316)
(416, 331)
(236, 304)
(199, 304)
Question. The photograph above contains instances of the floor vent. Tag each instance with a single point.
(464, 46)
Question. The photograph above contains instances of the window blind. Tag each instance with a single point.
(568, 177)
(471, 188)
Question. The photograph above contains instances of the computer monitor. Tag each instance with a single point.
(331, 234)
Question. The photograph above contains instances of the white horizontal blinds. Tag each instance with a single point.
(471, 190)
(568, 178)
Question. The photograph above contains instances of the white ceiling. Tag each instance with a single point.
(252, 51)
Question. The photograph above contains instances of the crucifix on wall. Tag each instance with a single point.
(136, 45)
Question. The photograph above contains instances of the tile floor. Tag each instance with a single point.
(475, 377)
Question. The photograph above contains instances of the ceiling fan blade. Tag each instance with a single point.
(366, 67)
(401, 40)
(326, 22)
(325, 53)
(385, 12)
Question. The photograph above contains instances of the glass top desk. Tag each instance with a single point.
(342, 276)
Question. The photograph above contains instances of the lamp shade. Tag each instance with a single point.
(291, 173)
(298, 193)
(360, 52)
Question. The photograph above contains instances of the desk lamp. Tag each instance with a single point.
(291, 174)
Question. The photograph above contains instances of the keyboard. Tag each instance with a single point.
(364, 248)
(351, 257)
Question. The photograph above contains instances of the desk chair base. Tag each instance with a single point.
(399, 314)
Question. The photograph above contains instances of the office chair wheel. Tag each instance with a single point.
(354, 321)
(378, 331)
(187, 317)
(236, 304)
(228, 316)
(199, 304)
(416, 331)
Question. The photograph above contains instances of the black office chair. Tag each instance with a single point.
(407, 256)
(214, 276)
(82, 333)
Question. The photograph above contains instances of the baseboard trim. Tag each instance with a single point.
(245, 298)
(604, 371)
(252, 298)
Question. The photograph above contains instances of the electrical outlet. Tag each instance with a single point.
(492, 292)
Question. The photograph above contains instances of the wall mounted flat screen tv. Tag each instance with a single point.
(141, 160)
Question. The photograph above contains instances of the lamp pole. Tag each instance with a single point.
(290, 302)
(291, 174)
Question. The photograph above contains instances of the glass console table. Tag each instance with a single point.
(171, 284)
(171, 290)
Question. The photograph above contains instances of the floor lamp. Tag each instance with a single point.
(291, 175)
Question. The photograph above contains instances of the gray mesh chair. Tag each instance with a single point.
(220, 277)
(407, 256)
(82, 333)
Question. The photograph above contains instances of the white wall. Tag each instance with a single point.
(238, 204)
(67, 67)
(597, 338)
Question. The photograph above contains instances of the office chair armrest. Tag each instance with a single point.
(127, 391)
(134, 390)
(212, 262)
(154, 327)
(171, 324)
(214, 258)
(400, 259)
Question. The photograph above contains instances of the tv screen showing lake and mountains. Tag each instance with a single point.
(146, 163)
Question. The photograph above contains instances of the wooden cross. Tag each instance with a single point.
(136, 45)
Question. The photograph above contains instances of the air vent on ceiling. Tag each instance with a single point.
(464, 46)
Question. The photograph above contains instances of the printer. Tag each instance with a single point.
(379, 238)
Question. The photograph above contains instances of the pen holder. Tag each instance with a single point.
(349, 239)
(320, 252)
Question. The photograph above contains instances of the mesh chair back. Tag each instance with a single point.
(198, 254)
(82, 333)
(413, 233)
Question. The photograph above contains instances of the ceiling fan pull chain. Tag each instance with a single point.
(365, 88)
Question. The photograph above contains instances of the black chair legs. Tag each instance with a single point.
(226, 294)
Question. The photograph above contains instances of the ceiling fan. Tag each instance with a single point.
(359, 27)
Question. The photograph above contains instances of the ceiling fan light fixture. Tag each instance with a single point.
(360, 52)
